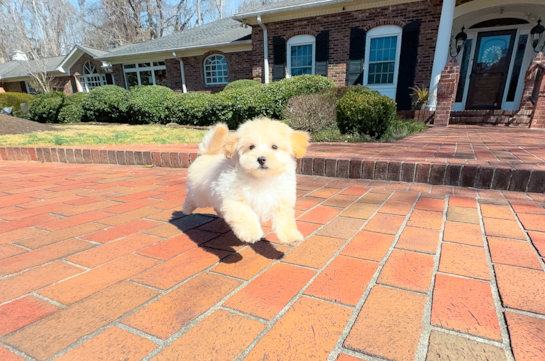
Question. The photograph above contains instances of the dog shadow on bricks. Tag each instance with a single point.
(214, 235)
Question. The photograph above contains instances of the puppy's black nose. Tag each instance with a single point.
(261, 160)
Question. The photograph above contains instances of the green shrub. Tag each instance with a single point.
(240, 84)
(364, 113)
(72, 110)
(312, 112)
(269, 100)
(146, 104)
(45, 107)
(10, 99)
(105, 104)
(197, 109)
(339, 92)
(401, 128)
(278, 93)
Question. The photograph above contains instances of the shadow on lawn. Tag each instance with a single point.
(211, 233)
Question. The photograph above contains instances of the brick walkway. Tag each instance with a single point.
(499, 158)
(97, 263)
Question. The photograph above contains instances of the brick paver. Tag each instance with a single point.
(98, 262)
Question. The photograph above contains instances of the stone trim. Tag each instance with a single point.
(526, 178)
(383, 22)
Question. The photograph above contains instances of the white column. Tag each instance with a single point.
(441, 49)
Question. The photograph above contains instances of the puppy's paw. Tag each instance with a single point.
(290, 236)
(250, 234)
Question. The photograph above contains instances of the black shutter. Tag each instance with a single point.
(407, 64)
(279, 52)
(356, 56)
(322, 52)
(22, 84)
(109, 79)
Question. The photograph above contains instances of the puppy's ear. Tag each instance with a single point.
(230, 142)
(299, 143)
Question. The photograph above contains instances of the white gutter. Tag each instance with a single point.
(184, 88)
(265, 50)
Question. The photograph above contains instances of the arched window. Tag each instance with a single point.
(89, 68)
(382, 52)
(90, 78)
(215, 70)
(301, 51)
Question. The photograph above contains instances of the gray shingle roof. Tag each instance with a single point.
(93, 51)
(221, 32)
(16, 69)
(285, 5)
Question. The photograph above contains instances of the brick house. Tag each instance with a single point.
(387, 45)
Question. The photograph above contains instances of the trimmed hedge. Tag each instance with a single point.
(147, 104)
(364, 113)
(240, 84)
(197, 109)
(105, 104)
(11, 99)
(339, 92)
(45, 107)
(72, 109)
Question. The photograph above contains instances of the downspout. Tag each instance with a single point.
(265, 50)
(184, 89)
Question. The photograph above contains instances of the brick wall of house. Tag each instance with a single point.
(62, 84)
(77, 68)
(238, 64)
(12, 87)
(428, 11)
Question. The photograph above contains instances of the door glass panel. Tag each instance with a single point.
(161, 77)
(489, 75)
(519, 57)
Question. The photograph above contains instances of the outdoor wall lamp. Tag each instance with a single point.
(537, 35)
(460, 38)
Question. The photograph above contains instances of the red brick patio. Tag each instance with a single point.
(97, 263)
(501, 158)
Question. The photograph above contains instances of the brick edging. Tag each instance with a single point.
(497, 177)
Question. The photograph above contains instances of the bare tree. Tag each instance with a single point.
(249, 5)
(40, 29)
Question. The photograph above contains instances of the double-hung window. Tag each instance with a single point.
(301, 51)
(153, 73)
(382, 59)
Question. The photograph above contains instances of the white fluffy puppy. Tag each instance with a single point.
(249, 177)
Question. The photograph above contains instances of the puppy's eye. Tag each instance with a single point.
(252, 147)
(274, 147)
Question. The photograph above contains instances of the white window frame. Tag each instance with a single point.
(137, 69)
(204, 69)
(30, 89)
(383, 32)
(90, 78)
(297, 41)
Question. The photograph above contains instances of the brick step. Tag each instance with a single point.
(500, 176)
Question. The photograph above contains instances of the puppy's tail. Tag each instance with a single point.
(213, 140)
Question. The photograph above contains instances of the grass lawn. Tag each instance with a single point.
(109, 134)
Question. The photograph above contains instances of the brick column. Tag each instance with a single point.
(446, 93)
(533, 99)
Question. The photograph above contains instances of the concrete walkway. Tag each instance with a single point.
(98, 263)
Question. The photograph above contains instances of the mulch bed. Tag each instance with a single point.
(12, 125)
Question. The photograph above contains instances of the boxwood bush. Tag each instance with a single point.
(239, 84)
(45, 107)
(11, 99)
(339, 92)
(147, 104)
(197, 109)
(364, 113)
(105, 104)
(72, 109)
